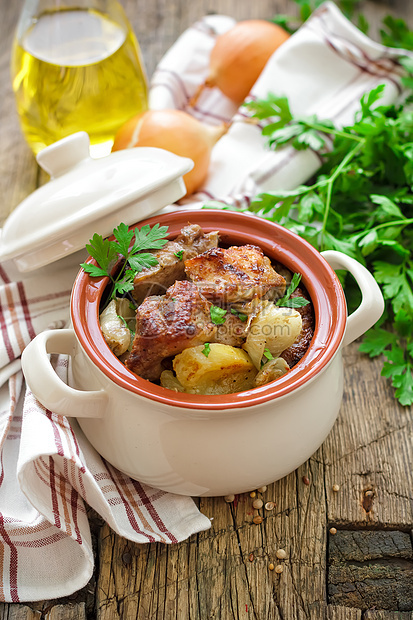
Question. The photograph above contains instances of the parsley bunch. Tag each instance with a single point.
(107, 253)
(360, 203)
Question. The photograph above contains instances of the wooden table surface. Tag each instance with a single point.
(365, 570)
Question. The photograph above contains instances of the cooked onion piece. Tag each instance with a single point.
(271, 371)
(274, 328)
(224, 370)
(168, 380)
(114, 328)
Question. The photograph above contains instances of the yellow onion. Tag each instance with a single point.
(239, 55)
(177, 132)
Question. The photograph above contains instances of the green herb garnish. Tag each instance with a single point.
(293, 302)
(360, 203)
(217, 315)
(106, 253)
(207, 349)
(132, 331)
(242, 317)
(179, 254)
(268, 354)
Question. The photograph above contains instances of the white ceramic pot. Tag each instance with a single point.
(208, 445)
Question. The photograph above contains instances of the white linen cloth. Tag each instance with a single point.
(47, 467)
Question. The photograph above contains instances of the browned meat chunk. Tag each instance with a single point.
(235, 274)
(171, 261)
(166, 325)
(232, 332)
(295, 352)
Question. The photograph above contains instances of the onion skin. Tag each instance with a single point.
(177, 132)
(239, 56)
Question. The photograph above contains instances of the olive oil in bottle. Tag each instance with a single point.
(77, 70)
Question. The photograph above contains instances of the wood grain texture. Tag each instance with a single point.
(18, 612)
(224, 573)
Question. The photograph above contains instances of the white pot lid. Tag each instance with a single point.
(87, 196)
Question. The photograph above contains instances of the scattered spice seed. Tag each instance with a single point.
(262, 489)
(336, 488)
(257, 504)
(251, 557)
(333, 530)
(271, 566)
(306, 480)
(257, 520)
(269, 506)
(281, 554)
(253, 494)
(279, 568)
(229, 498)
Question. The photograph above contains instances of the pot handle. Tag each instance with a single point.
(372, 302)
(46, 385)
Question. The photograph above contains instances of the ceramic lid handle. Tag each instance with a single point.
(63, 155)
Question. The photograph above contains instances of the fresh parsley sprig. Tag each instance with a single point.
(207, 349)
(106, 253)
(292, 302)
(360, 203)
(217, 315)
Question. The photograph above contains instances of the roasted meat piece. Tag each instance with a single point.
(232, 332)
(166, 325)
(295, 352)
(171, 261)
(235, 274)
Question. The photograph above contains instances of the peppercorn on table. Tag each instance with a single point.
(332, 540)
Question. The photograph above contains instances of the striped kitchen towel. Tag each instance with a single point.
(48, 470)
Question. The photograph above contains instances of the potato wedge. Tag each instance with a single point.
(274, 328)
(225, 370)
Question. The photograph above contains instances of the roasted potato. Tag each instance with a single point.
(215, 369)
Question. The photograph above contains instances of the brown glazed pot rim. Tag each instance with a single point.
(235, 228)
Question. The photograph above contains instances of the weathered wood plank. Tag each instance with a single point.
(388, 615)
(343, 613)
(371, 570)
(370, 450)
(224, 573)
(76, 611)
(18, 612)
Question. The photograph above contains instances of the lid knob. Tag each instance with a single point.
(63, 155)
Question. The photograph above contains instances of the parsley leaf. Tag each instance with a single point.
(360, 202)
(292, 302)
(268, 354)
(240, 315)
(217, 315)
(106, 253)
(207, 349)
